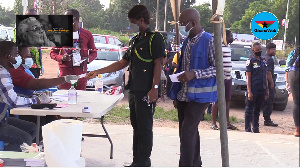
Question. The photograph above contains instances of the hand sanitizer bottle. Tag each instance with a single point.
(72, 95)
(99, 84)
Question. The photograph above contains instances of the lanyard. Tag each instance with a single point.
(73, 41)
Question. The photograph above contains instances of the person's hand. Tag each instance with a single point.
(69, 78)
(48, 93)
(287, 87)
(92, 74)
(153, 95)
(250, 96)
(43, 99)
(267, 94)
(186, 76)
(175, 102)
(67, 57)
(272, 85)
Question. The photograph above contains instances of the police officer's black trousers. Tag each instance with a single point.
(141, 117)
(268, 105)
(252, 111)
(189, 115)
(294, 84)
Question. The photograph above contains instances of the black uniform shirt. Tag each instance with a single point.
(141, 72)
(258, 74)
(270, 66)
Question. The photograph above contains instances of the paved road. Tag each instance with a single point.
(245, 149)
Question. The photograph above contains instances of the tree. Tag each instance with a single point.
(205, 15)
(279, 10)
(234, 10)
(243, 25)
(7, 17)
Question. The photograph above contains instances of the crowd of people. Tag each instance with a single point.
(195, 91)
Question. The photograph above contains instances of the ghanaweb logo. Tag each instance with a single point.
(264, 25)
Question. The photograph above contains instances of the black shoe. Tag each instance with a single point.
(256, 131)
(270, 123)
(133, 164)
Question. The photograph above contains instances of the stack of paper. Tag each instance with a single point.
(22, 159)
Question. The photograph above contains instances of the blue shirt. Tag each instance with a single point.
(258, 69)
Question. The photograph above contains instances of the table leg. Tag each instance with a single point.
(111, 143)
(38, 123)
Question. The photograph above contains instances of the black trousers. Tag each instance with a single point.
(189, 115)
(252, 111)
(294, 84)
(268, 105)
(141, 117)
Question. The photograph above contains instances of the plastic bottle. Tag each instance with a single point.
(99, 84)
(72, 95)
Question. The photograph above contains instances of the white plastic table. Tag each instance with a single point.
(98, 103)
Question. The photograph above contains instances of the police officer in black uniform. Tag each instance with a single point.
(257, 88)
(145, 59)
(268, 104)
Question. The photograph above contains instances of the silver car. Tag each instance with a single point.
(240, 52)
(106, 55)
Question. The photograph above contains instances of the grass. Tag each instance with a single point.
(121, 114)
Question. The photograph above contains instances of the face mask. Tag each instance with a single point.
(18, 63)
(28, 63)
(75, 35)
(182, 30)
(258, 53)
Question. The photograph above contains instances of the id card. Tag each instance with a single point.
(76, 59)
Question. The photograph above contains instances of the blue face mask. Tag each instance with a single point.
(182, 30)
(18, 62)
(28, 63)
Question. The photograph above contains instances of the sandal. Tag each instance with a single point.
(214, 127)
(232, 127)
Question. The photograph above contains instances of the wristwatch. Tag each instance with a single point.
(155, 86)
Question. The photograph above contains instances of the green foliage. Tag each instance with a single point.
(234, 10)
(18, 9)
(207, 117)
(243, 25)
(121, 114)
(7, 17)
(161, 114)
(284, 55)
(205, 15)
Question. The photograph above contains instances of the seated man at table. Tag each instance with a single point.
(14, 131)
(25, 83)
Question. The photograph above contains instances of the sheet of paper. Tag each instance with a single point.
(81, 76)
(173, 77)
(76, 59)
(78, 62)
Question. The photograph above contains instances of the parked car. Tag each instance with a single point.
(108, 39)
(240, 53)
(106, 55)
(6, 33)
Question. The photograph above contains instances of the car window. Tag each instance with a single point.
(118, 42)
(99, 39)
(241, 52)
(108, 55)
(111, 40)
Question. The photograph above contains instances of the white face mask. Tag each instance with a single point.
(75, 35)
(18, 63)
(28, 63)
(182, 30)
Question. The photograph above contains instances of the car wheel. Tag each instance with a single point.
(280, 107)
